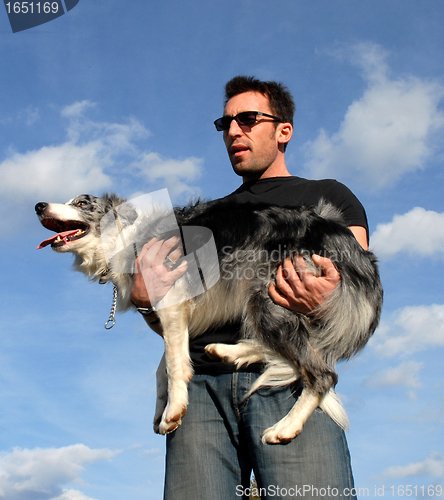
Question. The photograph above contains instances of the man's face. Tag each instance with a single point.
(253, 149)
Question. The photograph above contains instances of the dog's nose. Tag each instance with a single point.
(40, 207)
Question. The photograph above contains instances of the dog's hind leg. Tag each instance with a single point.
(288, 334)
(243, 353)
(291, 425)
(318, 379)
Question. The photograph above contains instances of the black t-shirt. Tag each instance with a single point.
(292, 192)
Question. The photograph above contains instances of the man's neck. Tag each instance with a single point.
(270, 173)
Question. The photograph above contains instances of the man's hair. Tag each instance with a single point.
(280, 98)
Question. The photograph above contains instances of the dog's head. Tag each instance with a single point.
(76, 223)
(83, 229)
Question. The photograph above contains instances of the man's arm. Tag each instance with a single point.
(299, 290)
(295, 288)
(361, 235)
(153, 278)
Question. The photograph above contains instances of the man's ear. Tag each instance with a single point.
(285, 132)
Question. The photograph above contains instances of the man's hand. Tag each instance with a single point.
(154, 277)
(296, 288)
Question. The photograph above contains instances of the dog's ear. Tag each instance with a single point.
(110, 201)
(126, 212)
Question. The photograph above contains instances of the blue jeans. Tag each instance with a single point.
(211, 455)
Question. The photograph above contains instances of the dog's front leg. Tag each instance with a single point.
(291, 425)
(178, 365)
(162, 393)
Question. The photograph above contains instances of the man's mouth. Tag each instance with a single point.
(238, 150)
(67, 231)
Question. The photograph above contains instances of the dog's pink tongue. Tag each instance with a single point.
(64, 236)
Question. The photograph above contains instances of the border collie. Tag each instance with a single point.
(251, 243)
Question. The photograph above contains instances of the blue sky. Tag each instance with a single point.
(121, 97)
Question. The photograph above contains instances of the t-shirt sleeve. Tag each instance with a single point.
(351, 208)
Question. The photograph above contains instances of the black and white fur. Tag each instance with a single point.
(293, 346)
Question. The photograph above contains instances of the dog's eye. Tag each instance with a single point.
(81, 203)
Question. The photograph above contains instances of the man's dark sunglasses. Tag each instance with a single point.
(245, 118)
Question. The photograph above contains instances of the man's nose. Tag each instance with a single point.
(235, 129)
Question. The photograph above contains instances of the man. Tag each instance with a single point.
(211, 455)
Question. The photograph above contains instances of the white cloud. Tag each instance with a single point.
(42, 473)
(84, 162)
(31, 115)
(72, 495)
(91, 160)
(152, 451)
(175, 174)
(78, 165)
(412, 329)
(77, 109)
(54, 173)
(419, 232)
(386, 133)
(406, 374)
(433, 466)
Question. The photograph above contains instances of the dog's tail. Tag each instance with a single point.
(332, 406)
(279, 372)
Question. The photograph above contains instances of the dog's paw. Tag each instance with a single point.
(171, 419)
(216, 351)
(238, 354)
(282, 432)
